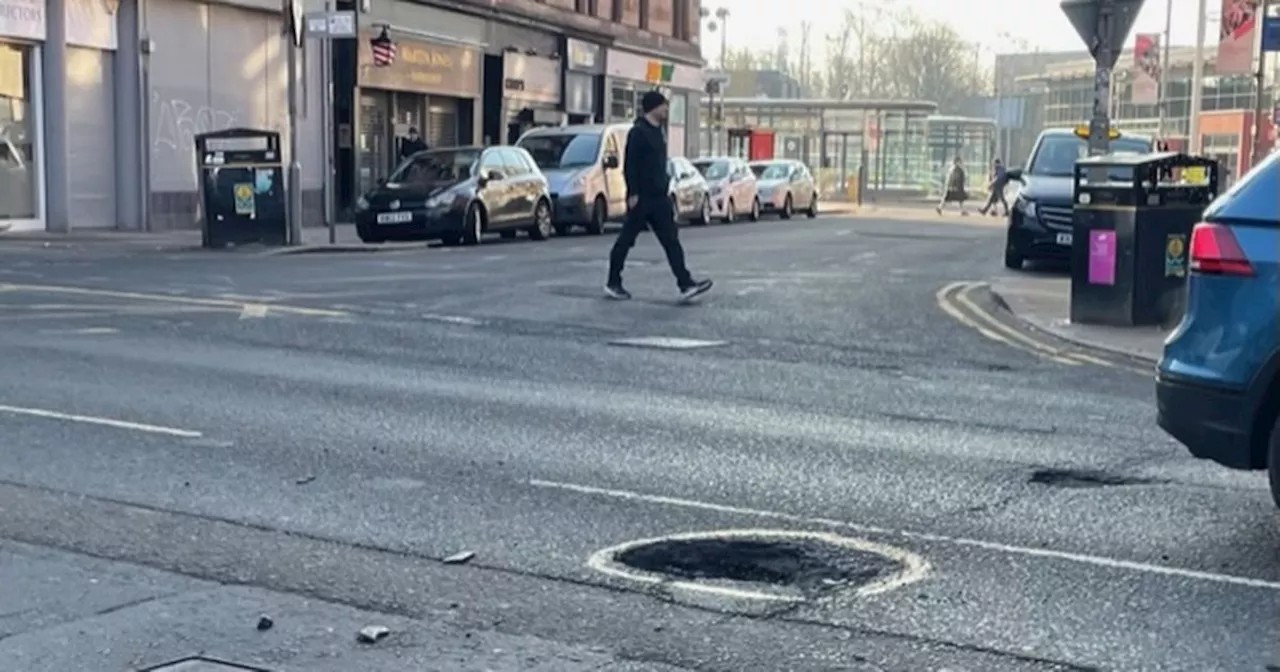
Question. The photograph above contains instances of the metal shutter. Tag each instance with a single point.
(91, 151)
(441, 123)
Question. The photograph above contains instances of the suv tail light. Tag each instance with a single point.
(1215, 251)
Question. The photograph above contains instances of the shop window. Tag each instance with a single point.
(622, 103)
(18, 139)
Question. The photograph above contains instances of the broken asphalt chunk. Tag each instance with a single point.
(459, 558)
(372, 633)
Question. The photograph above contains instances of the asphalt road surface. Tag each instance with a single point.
(191, 441)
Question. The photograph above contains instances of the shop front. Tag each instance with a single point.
(91, 122)
(530, 94)
(432, 87)
(630, 75)
(22, 33)
(583, 81)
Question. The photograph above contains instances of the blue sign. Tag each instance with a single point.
(1271, 33)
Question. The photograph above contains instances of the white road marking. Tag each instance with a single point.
(453, 319)
(844, 232)
(253, 310)
(944, 302)
(914, 567)
(162, 298)
(997, 547)
(749, 290)
(87, 331)
(666, 342)
(104, 422)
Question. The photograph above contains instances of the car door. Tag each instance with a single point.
(689, 188)
(534, 182)
(496, 192)
(744, 186)
(808, 187)
(521, 186)
(615, 182)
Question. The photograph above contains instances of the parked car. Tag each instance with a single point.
(1040, 219)
(583, 165)
(785, 187)
(732, 186)
(690, 195)
(1218, 381)
(457, 195)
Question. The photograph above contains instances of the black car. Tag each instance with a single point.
(1040, 217)
(457, 195)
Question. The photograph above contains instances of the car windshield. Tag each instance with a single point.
(562, 150)
(1057, 155)
(435, 167)
(771, 171)
(712, 170)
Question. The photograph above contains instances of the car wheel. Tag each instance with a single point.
(729, 214)
(755, 209)
(786, 208)
(704, 215)
(1273, 462)
(1013, 257)
(507, 234)
(541, 229)
(813, 207)
(599, 212)
(474, 225)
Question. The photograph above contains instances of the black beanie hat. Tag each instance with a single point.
(651, 101)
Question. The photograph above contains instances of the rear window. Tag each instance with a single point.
(771, 171)
(712, 170)
(1252, 197)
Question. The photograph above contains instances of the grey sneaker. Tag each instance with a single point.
(696, 289)
(616, 292)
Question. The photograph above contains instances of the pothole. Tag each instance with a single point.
(1085, 478)
(202, 664)
(774, 565)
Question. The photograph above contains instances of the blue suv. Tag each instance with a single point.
(1218, 383)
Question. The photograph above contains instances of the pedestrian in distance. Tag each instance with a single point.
(955, 187)
(999, 180)
(648, 202)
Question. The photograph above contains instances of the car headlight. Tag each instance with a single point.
(575, 184)
(1028, 208)
(362, 203)
(716, 189)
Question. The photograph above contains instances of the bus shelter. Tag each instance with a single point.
(970, 138)
(835, 138)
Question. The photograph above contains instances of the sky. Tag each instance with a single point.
(753, 23)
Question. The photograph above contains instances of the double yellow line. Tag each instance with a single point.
(955, 301)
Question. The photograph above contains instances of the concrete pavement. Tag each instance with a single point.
(322, 431)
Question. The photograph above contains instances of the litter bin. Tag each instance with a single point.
(242, 188)
(1130, 234)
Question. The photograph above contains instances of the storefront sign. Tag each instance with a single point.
(584, 56)
(22, 19)
(655, 71)
(92, 23)
(423, 67)
(531, 78)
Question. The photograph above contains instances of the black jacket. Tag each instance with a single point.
(645, 167)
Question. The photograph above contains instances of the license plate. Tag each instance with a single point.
(395, 217)
(1064, 239)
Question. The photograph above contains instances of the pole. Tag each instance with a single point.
(326, 129)
(1100, 124)
(1259, 83)
(1163, 107)
(294, 178)
(1197, 80)
(724, 42)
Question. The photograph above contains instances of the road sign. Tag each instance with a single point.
(331, 25)
(1083, 15)
(1271, 33)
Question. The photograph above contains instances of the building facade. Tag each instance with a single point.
(100, 100)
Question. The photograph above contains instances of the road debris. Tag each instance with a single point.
(459, 558)
(372, 633)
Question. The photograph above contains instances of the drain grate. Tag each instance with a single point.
(667, 343)
(1086, 478)
(202, 664)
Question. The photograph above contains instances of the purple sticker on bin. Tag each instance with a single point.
(1102, 257)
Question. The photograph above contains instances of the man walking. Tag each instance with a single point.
(645, 170)
(999, 180)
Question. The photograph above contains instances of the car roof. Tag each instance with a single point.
(715, 158)
(1055, 132)
(574, 129)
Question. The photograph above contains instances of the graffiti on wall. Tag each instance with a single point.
(175, 122)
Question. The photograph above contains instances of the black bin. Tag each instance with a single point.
(242, 188)
(1130, 234)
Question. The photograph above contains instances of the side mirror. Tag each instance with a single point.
(1014, 174)
(610, 162)
(491, 176)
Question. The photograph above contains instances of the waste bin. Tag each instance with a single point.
(242, 188)
(1130, 234)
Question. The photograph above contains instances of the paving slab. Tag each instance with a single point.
(1042, 300)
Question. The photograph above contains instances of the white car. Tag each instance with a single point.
(732, 186)
(785, 187)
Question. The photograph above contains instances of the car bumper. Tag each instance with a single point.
(772, 203)
(1210, 421)
(720, 204)
(1034, 239)
(425, 225)
(570, 209)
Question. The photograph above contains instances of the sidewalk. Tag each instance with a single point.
(1042, 299)
(60, 611)
(314, 239)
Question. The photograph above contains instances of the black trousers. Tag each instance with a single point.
(654, 213)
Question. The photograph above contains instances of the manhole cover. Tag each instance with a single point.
(666, 343)
(201, 664)
(763, 564)
(1085, 478)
